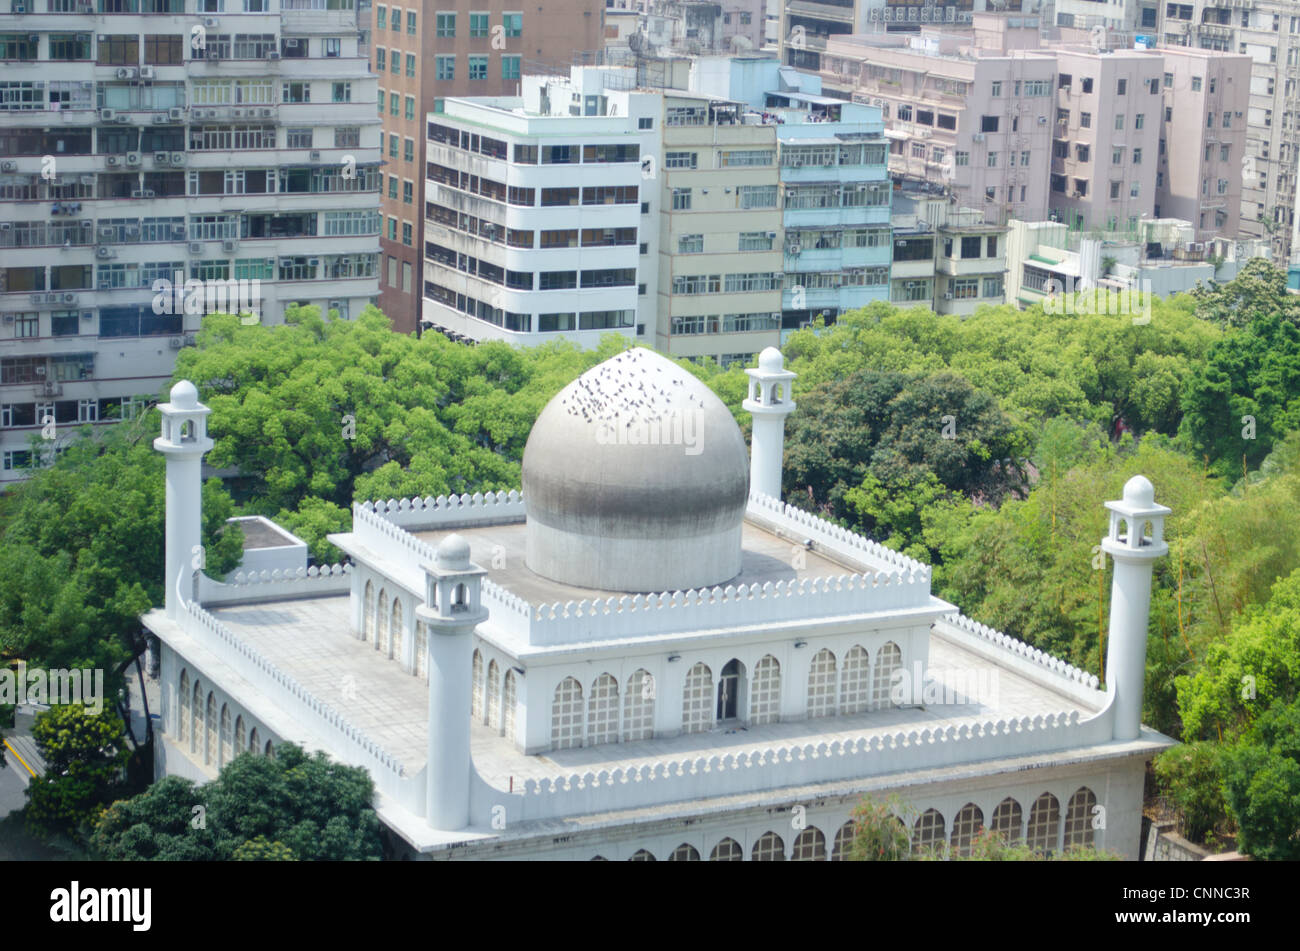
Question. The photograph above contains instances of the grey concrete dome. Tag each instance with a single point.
(636, 479)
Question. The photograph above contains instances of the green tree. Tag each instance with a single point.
(1190, 777)
(879, 831)
(1262, 784)
(84, 755)
(1258, 290)
(260, 850)
(167, 823)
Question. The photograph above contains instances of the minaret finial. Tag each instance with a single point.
(769, 403)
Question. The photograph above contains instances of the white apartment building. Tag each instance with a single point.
(946, 258)
(537, 216)
(150, 141)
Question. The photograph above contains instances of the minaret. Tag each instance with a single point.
(1134, 552)
(769, 403)
(452, 609)
(184, 440)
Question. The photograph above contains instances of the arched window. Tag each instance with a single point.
(421, 651)
(927, 834)
(254, 743)
(227, 736)
(196, 719)
(270, 749)
(1078, 818)
(967, 825)
(809, 846)
(1007, 820)
(368, 614)
(768, 848)
(855, 684)
(685, 853)
(566, 715)
(1044, 823)
(728, 850)
(182, 725)
(240, 735)
(602, 711)
(494, 697)
(888, 659)
(397, 630)
(476, 688)
(210, 717)
(697, 700)
(731, 684)
(508, 702)
(821, 685)
(381, 641)
(844, 841)
(598, 858)
(639, 707)
(765, 693)
(641, 855)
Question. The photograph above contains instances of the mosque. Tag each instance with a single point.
(645, 655)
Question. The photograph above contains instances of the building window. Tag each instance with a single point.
(681, 199)
(514, 24)
(510, 67)
(821, 685)
(1196, 84)
(445, 24)
(478, 25)
(1119, 121)
(478, 67)
(961, 159)
(639, 707)
(1078, 819)
(1085, 120)
(409, 111)
(445, 66)
(690, 244)
(1044, 822)
(602, 711)
(927, 834)
(697, 700)
(410, 23)
(1139, 121)
(566, 714)
(1121, 87)
(341, 92)
(410, 64)
(768, 848)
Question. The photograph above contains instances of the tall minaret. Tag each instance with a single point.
(1134, 552)
(184, 440)
(769, 403)
(452, 609)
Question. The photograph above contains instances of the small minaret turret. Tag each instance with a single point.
(1134, 551)
(453, 608)
(769, 403)
(184, 440)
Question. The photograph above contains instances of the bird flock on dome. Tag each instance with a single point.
(614, 391)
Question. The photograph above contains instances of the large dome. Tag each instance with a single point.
(636, 479)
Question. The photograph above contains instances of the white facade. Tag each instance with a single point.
(139, 147)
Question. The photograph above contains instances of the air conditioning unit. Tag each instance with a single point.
(291, 43)
(977, 137)
(178, 158)
(126, 72)
(947, 295)
(230, 246)
(236, 113)
(176, 342)
(178, 232)
(315, 156)
(209, 21)
(162, 158)
(196, 247)
(113, 160)
(104, 251)
(213, 55)
(176, 112)
(771, 235)
(50, 388)
(105, 284)
(87, 179)
(123, 119)
(107, 115)
(83, 37)
(286, 262)
(132, 234)
(106, 234)
(86, 84)
(69, 298)
(1195, 246)
(18, 8)
(8, 166)
(148, 193)
(137, 193)
(133, 158)
(1042, 120)
(313, 262)
(274, 54)
(159, 117)
(6, 226)
(794, 250)
(267, 113)
(146, 72)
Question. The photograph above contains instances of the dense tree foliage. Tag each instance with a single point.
(84, 756)
(1262, 784)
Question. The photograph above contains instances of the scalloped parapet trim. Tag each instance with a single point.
(430, 512)
(298, 574)
(1021, 649)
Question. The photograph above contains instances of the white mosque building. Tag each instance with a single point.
(645, 655)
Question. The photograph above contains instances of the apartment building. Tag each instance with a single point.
(425, 52)
(1107, 134)
(693, 26)
(974, 118)
(165, 161)
(945, 257)
(537, 226)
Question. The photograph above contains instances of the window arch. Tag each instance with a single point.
(844, 841)
(182, 727)
(494, 696)
(196, 719)
(381, 640)
(967, 824)
(731, 687)
(641, 855)
(1007, 820)
(765, 693)
(227, 736)
(888, 659)
(768, 848)
(421, 650)
(685, 853)
(270, 749)
(368, 614)
(809, 846)
(1044, 823)
(508, 702)
(254, 742)
(855, 687)
(821, 685)
(697, 700)
(240, 735)
(566, 715)
(728, 850)
(602, 711)
(210, 743)
(476, 689)
(396, 627)
(927, 833)
(639, 707)
(1078, 818)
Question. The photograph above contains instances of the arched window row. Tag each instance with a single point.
(383, 625)
(494, 688)
(603, 711)
(213, 729)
